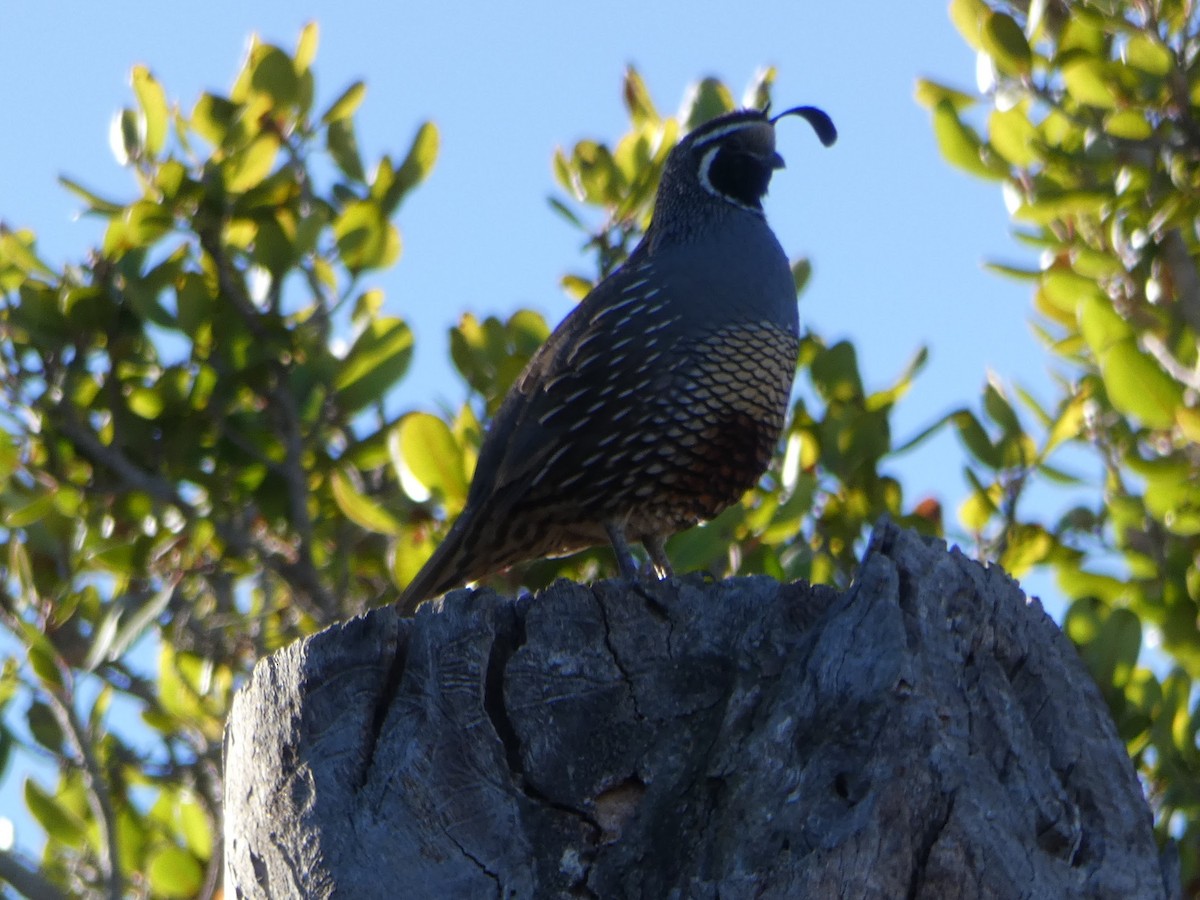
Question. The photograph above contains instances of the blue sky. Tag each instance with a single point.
(896, 237)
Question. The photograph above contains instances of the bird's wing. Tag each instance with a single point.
(595, 362)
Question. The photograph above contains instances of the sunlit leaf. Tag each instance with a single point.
(960, 144)
(347, 104)
(1145, 52)
(711, 99)
(416, 166)
(1003, 39)
(637, 98)
(835, 373)
(173, 872)
(250, 165)
(1013, 136)
(1138, 386)
(1089, 81)
(1129, 124)
(273, 73)
(376, 361)
(365, 237)
(306, 46)
(425, 450)
(360, 509)
(930, 93)
(152, 103)
(60, 823)
(969, 17)
(343, 147)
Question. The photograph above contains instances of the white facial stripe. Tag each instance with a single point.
(724, 130)
(705, 163)
(706, 182)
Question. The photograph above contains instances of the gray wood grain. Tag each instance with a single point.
(926, 734)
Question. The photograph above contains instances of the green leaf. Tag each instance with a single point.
(978, 508)
(801, 273)
(152, 103)
(1000, 411)
(758, 93)
(306, 46)
(576, 286)
(1013, 136)
(100, 708)
(124, 137)
(59, 822)
(1064, 290)
(1113, 654)
(835, 373)
(930, 93)
(1069, 423)
(193, 304)
(409, 554)
(969, 17)
(599, 176)
(346, 105)
(1004, 41)
(44, 727)
(1146, 53)
(274, 74)
(273, 247)
(378, 359)
(247, 168)
(173, 872)
(1138, 386)
(360, 509)
(213, 119)
(194, 825)
(1129, 124)
(146, 402)
(425, 450)
(365, 237)
(975, 438)
(127, 626)
(1089, 81)
(710, 99)
(563, 210)
(95, 202)
(1028, 546)
(25, 512)
(1102, 327)
(343, 147)
(416, 166)
(1049, 206)
(637, 99)
(960, 144)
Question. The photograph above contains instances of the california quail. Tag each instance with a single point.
(658, 400)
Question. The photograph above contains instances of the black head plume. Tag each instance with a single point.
(820, 122)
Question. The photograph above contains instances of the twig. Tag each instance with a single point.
(26, 880)
(97, 790)
(1155, 347)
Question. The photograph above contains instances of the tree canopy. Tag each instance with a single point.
(197, 465)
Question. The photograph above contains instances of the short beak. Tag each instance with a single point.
(777, 161)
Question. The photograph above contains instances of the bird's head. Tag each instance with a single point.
(732, 157)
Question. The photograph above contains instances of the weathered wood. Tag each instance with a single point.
(926, 734)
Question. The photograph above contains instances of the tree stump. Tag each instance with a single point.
(928, 733)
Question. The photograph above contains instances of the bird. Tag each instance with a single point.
(660, 398)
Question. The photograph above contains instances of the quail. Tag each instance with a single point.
(658, 401)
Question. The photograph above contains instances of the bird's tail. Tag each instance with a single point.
(447, 568)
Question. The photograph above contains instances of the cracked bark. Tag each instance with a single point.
(926, 734)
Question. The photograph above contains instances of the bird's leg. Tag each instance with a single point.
(655, 545)
(625, 560)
